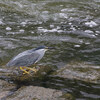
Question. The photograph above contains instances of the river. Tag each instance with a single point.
(71, 26)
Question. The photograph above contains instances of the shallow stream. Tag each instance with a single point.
(72, 26)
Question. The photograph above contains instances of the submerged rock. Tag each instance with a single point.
(80, 71)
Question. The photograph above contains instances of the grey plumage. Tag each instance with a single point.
(28, 57)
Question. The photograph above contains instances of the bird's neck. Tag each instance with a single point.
(41, 51)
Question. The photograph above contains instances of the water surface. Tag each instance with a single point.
(72, 26)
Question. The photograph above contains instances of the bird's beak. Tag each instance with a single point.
(50, 48)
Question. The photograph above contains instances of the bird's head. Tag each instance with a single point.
(43, 47)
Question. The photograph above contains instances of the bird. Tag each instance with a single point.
(27, 58)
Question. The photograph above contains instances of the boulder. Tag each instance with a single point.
(36, 93)
(16, 75)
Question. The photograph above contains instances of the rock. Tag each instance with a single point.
(5, 88)
(68, 96)
(36, 93)
(16, 75)
(61, 79)
(80, 71)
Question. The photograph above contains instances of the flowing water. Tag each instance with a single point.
(72, 26)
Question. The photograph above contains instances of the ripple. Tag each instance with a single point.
(91, 50)
(77, 46)
(23, 23)
(1, 22)
(40, 29)
(71, 27)
(90, 95)
(88, 31)
(91, 24)
(8, 28)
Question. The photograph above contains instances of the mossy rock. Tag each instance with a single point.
(68, 96)
(16, 75)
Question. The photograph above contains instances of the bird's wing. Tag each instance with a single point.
(25, 60)
(33, 58)
(27, 52)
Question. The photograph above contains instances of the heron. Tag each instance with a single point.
(27, 58)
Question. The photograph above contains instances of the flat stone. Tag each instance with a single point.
(36, 93)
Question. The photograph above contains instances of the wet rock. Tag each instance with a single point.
(68, 96)
(80, 71)
(5, 88)
(36, 93)
(16, 75)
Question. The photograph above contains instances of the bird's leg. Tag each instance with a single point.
(32, 69)
(23, 69)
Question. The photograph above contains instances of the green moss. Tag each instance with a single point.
(68, 96)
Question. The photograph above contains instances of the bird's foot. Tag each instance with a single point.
(32, 69)
(27, 69)
(24, 70)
